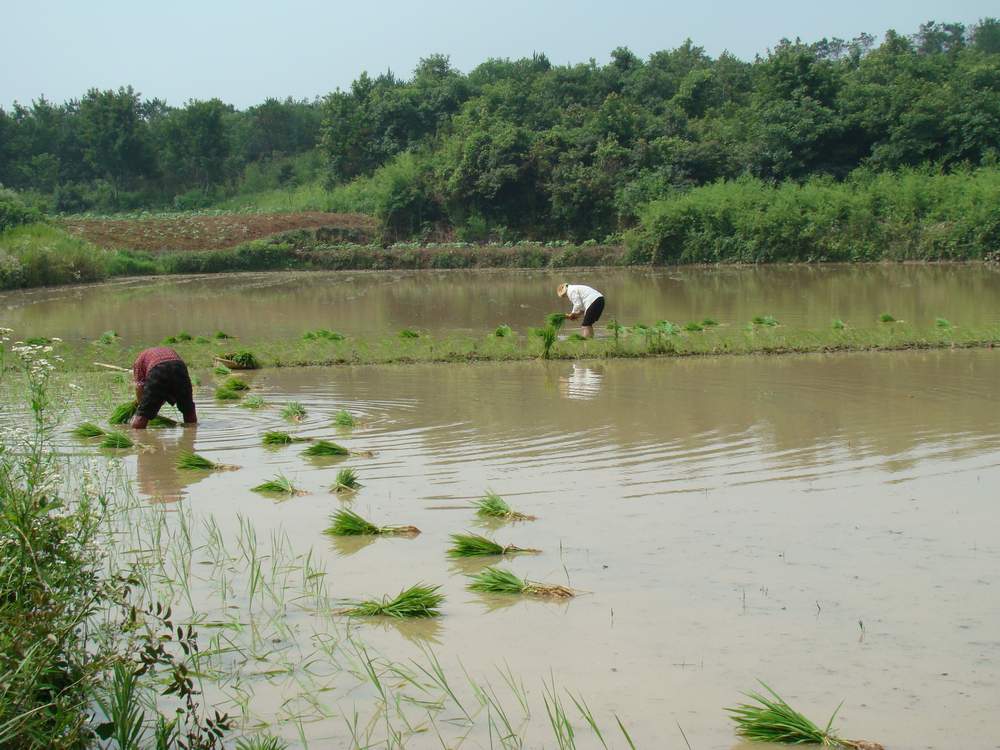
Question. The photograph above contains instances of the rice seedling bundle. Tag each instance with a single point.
(227, 394)
(664, 326)
(555, 320)
(346, 522)
(280, 485)
(497, 581)
(616, 329)
(709, 322)
(417, 601)
(765, 320)
(38, 340)
(343, 418)
(409, 333)
(116, 441)
(159, 421)
(502, 331)
(184, 336)
(222, 335)
(294, 411)
(346, 481)
(942, 323)
(253, 402)
(839, 325)
(491, 505)
(693, 326)
(221, 370)
(886, 318)
(170, 340)
(189, 461)
(476, 545)
(108, 337)
(202, 340)
(276, 437)
(123, 413)
(86, 430)
(575, 337)
(235, 384)
(323, 333)
(241, 360)
(325, 448)
(771, 719)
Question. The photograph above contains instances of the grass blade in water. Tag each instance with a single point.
(498, 581)
(325, 448)
(86, 430)
(346, 481)
(416, 601)
(123, 413)
(117, 441)
(491, 505)
(477, 545)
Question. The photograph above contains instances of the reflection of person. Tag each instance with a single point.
(156, 472)
(582, 383)
(161, 376)
(587, 302)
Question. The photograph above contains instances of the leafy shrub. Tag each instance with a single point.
(14, 211)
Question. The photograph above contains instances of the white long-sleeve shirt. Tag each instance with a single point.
(581, 296)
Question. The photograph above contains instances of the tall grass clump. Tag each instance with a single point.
(123, 413)
(346, 522)
(276, 437)
(323, 448)
(346, 481)
(476, 545)
(279, 485)
(496, 581)
(770, 719)
(45, 255)
(117, 441)
(417, 601)
(491, 505)
(343, 418)
(293, 411)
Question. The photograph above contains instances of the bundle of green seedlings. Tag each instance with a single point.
(502, 331)
(253, 402)
(189, 461)
(709, 322)
(839, 325)
(161, 421)
(201, 340)
(771, 719)
(323, 448)
(417, 601)
(491, 505)
(346, 522)
(346, 481)
(234, 383)
(227, 394)
(548, 335)
(222, 335)
(477, 545)
(497, 581)
(555, 320)
(280, 485)
(886, 318)
(576, 337)
(665, 327)
(764, 320)
(343, 418)
(117, 441)
(87, 430)
(322, 333)
(942, 323)
(294, 411)
(123, 413)
(221, 370)
(276, 437)
(241, 360)
(108, 337)
(693, 326)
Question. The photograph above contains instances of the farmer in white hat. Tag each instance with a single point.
(587, 302)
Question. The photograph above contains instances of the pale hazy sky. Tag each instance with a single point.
(243, 51)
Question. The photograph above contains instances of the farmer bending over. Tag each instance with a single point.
(161, 375)
(586, 302)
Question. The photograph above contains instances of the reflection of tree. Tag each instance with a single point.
(157, 475)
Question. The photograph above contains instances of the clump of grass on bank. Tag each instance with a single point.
(323, 448)
(123, 413)
(476, 545)
(491, 505)
(496, 581)
(276, 437)
(41, 254)
(279, 485)
(87, 430)
(417, 601)
(346, 522)
(293, 411)
(346, 481)
(343, 418)
(771, 719)
(117, 441)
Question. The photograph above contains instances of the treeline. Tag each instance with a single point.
(526, 149)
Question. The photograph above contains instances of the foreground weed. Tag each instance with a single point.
(261, 742)
(325, 448)
(417, 601)
(346, 481)
(123, 413)
(493, 506)
(346, 522)
(280, 485)
(117, 441)
(294, 411)
(86, 430)
(276, 437)
(343, 418)
(477, 545)
(497, 581)
(771, 719)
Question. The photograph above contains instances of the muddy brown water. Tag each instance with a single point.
(279, 305)
(827, 524)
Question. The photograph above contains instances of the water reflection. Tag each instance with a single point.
(583, 382)
(156, 470)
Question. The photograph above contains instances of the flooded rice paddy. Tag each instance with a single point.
(827, 524)
(441, 302)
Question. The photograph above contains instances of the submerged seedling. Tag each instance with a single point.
(346, 522)
(477, 545)
(493, 506)
(417, 601)
(346, 481)
(280, 485)
(276, 437)
(497, 581)
(503, 331)
(123, 413)
(325, 448)
(293, 411)
(116, 441)
(87, 430)
(771, 719)
(343, 418)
